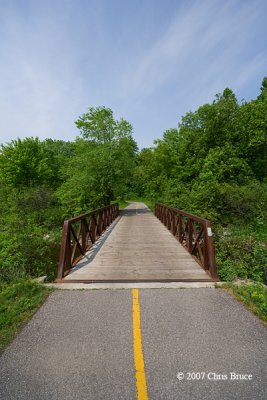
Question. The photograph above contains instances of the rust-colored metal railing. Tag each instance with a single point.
(193, 232)
(80, 233)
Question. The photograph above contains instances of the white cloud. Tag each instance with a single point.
(202, 43)
(41, 92)
(57, 61)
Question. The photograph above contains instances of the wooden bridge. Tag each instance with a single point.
(133, 245)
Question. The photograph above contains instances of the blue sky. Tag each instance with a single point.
(149, 61)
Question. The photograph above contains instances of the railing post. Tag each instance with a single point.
(206, 265)
(169, 219)
(65, 252)
(104, 222)
(180, 228)
(109, 216)
(159, 212)
(174, 225)
(100, 223)
(190, 235)
(165, 216)
(83, 233)
(92, 227)
(210, 252)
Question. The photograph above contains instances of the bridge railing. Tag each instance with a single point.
(193, 232)
(80, 233)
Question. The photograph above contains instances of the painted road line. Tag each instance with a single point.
(140, 374)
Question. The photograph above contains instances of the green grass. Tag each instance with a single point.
(253, 295)
(18, 302)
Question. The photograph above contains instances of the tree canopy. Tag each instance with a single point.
(212, 162)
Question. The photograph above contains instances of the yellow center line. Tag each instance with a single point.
(140, 374)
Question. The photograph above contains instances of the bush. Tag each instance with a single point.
(247, 202)
(241, 253)
(26, 250)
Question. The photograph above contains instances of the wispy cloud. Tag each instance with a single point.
(149, 61)
(202, 47)
(38, 82)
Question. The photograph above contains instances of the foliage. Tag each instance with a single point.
(30, 162)
(241, 253)
(44, 182)
(214, 164)
(28, 234)
(101, 169)
(18, 302)
(253, 295)
(23, 162)
(99, 125)
(29, 211)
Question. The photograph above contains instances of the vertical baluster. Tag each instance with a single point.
(83, 233)
(65, 252)
(190, 235)
(180, 228)
(92, 227)
(173, 227)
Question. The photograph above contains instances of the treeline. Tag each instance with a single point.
(45, 182)
(214, 165)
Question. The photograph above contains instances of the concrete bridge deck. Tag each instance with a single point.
(137, 247)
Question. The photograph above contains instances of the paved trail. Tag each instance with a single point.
(79, 345)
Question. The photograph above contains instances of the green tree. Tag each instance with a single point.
(97, 124)
(103, 165)
(30, 162)
(24, 163)
(218, 150)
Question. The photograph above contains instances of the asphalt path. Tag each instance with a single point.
(79, 345)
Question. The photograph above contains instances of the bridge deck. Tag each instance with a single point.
(137, 247)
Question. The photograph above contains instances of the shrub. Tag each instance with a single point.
(241, 253)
